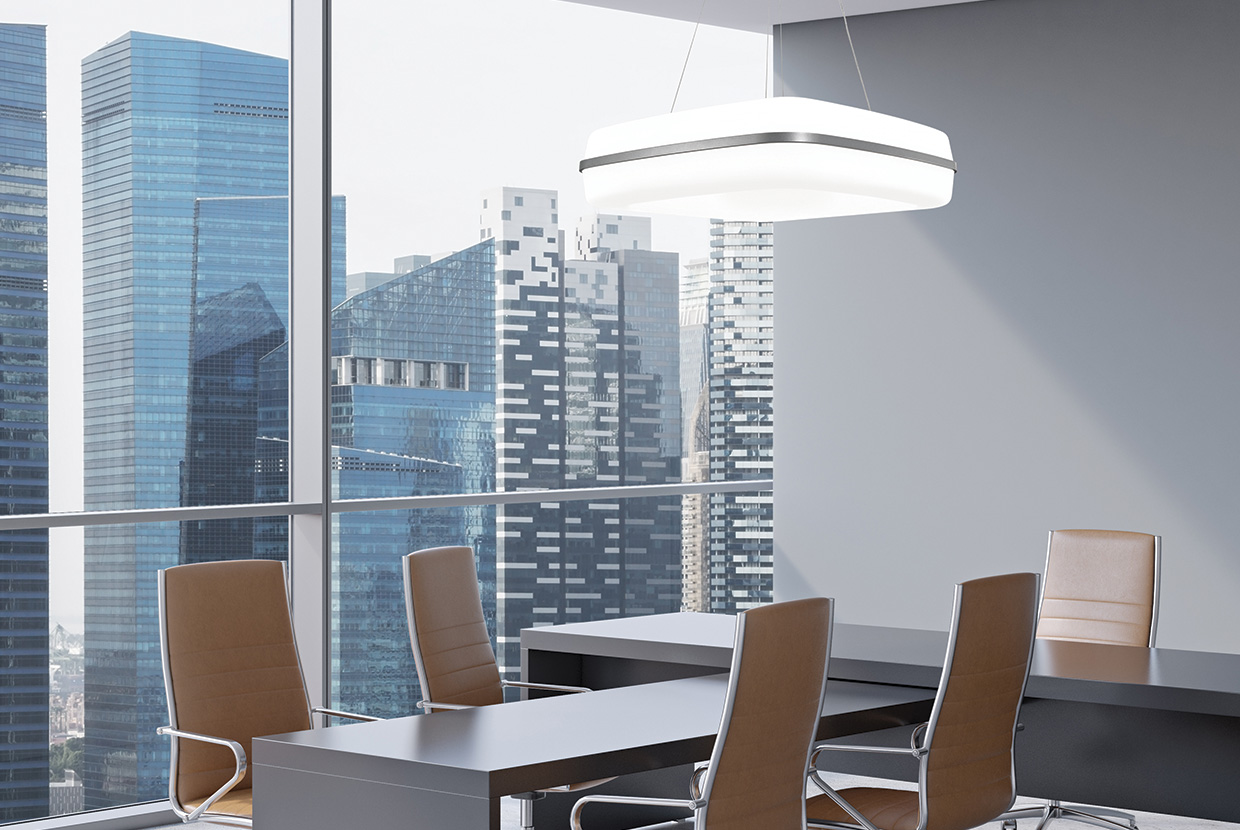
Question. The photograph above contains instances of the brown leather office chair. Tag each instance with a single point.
(966, 772)
(231, 673)
(1101, 586)
(451, 648)
(756, 773)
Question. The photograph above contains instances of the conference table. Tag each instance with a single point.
(1145, 729)
(1154, 730)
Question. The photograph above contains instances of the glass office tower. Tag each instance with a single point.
(740, 372)
(167, 123)
(413, 413)
(23, 422)
(587, 366)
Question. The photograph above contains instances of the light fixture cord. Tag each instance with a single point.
(854, 54)
(687, 54)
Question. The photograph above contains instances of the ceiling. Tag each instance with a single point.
(757, 15)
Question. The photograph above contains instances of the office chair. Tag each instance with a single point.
(756, 773)
(231, 673)
(451, 648)
(1101, 586)
(966, 775)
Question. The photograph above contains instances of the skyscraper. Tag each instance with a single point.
(588, 396)
(166, 123)
(695, 432)
(740, 370)
(23, 421)
(413, 414)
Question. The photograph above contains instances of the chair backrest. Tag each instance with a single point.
(231, 668)
(757, 770)
(451, 648)
(968, 776)
(1101, 586)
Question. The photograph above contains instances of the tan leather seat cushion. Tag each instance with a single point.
(235, 802)
(887, 809)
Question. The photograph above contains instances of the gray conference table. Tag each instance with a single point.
(1145, 729)
(450, 769)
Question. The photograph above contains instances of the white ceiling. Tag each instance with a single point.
(759, 15)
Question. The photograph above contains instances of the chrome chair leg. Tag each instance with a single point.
(1099, 816)
(527, 808)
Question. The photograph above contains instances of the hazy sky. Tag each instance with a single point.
(433, 103)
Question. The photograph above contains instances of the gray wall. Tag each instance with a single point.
(1056, 348)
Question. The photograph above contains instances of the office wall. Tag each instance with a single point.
(1058, 347)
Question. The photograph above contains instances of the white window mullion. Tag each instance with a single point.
(309, 333)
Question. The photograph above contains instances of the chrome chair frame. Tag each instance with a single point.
(203, 810)
(699, 794)
(919, 743)
(1053, 808)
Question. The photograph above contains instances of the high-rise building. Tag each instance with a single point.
(413, 414)
(740, 374)
(695, 432)
(588, 395)
(24, 684)
(167, 124)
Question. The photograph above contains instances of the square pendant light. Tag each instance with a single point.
(772, 159)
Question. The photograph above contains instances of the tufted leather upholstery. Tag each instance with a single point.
(968, 778)
(758, 767)
(448, 631)
(1100, 587)
(232, 670)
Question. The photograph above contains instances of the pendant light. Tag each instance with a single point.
(773, 159)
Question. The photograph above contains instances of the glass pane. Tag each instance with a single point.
(143, 212)
(546, 346)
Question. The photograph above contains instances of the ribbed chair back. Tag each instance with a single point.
(1101, 586)
(451, 647)
(970, 777)
(230, 666)
(779, 668)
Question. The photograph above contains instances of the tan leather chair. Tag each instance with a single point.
(756, 774)
(451, 648)
(1101, 586)
(231, 672)
(966, 772)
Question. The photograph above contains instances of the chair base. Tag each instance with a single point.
(1098, 816)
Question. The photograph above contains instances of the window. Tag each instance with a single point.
(613, 229)
(519, 201)
(455, 376)
(394, 373)
(426, 374)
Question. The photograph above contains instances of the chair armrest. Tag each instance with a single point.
(238, 752)
(336, 713)
(914, 752)
(550, 687)
(429, 705)
(682, 803)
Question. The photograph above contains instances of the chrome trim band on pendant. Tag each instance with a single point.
(749, 139)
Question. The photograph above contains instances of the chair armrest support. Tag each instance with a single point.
(238, 752)
(839, 799)
(683, 803)
(695, 781)
(550, 687)
(336, 713)
(430, 705)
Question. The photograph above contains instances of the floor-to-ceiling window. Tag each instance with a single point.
(461, 336)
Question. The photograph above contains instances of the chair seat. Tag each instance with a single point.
(886, 809)
(235, 802)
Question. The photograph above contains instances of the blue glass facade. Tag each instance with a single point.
(413, 413)
(23, 422)
(167, 125)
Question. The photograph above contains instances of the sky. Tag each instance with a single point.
(432, 104)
